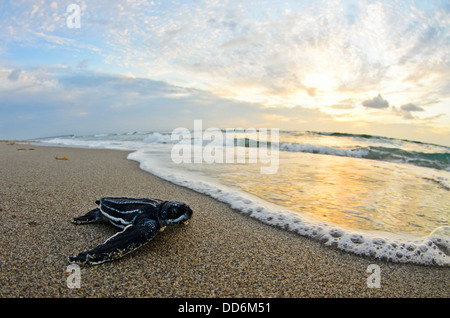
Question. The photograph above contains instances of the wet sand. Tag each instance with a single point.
(221, 253)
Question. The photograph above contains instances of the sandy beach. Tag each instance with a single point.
(221, 253)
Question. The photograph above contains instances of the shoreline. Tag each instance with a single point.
(221, 253)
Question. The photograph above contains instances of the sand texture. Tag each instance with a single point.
(221, 253)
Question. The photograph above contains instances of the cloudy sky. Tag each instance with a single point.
(374, 67)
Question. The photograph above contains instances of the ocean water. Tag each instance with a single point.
(374, 196)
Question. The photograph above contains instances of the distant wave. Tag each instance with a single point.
(439, 161)
(158, 138)
(325, 150)
(338, 134)
(363, 136)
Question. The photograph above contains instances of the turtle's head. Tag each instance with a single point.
(174, 212)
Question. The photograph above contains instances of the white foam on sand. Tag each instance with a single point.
(433, 249)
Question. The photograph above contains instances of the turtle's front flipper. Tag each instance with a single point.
(120, 244)
(89, 217)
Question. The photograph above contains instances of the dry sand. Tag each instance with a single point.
(221, 253)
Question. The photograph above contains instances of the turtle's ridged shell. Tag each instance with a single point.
(124, 211)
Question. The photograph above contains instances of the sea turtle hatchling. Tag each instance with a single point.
(140, 218)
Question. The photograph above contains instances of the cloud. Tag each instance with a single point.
(406, 111)
(411, 108)
(344, 105)
(376, 102)
(83, 64)
(14, 75)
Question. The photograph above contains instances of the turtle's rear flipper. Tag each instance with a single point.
(89, 217)
(118, 245)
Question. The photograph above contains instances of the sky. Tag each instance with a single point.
(86, 67)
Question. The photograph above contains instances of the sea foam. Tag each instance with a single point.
(429, 250)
